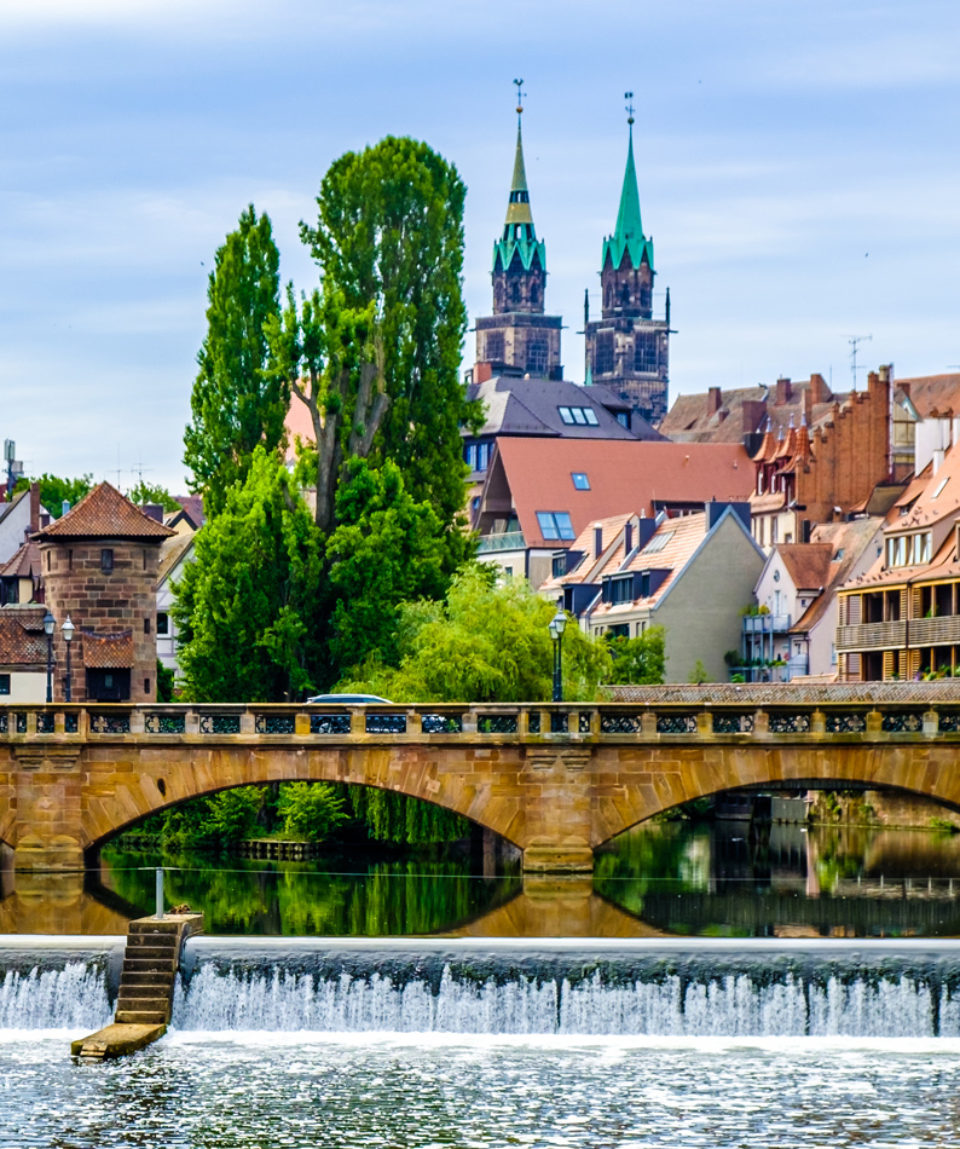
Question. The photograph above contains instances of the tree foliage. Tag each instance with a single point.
(641, 660)
(246, 609)
(310, 811)
(55, 491)
(143, 492)
(375, 353)
(237, 402)
(487, 642)
(387, 548)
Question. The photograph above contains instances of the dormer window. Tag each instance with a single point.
(578, 416)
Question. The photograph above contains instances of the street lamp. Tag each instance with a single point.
(67, 631)
(49, 623)
(556, 627)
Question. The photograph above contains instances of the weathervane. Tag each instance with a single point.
(628, 96)
(520, 95)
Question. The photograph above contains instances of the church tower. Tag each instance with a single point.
(518, 339)
(627, 349)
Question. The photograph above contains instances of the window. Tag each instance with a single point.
(940, 486)
(106, 560)
(146, 686)
(621, 589)
(658, 542)
(146, 626)
(555, 525)
(621, 630)
(580, 481)
(477, 456)
(623, 418)
(536, 356)
(163, 623)
(603, 354)
(579, 416)
(4, 683)
(494, 346)
(559, 567)
(645, 351)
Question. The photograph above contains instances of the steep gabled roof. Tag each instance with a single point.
(24, 564)
(105, 514)
(807, 564)
(22, 641)
(932, 394)
(532, 407)
(621, 474)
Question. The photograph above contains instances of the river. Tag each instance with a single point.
(772, 988)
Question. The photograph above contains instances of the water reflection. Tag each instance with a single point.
(744, 879)
(722, 879)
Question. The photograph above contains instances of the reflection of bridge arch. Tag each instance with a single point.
(555, 781)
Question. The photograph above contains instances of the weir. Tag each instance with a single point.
(561, 987)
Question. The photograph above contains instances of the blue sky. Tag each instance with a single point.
(798, 170)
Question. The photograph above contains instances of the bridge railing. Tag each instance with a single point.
(593, 722)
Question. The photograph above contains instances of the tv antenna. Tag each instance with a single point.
(855, 341)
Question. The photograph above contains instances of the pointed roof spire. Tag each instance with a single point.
(519, 235)
(628, 237)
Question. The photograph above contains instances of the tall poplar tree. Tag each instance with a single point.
(375, 353)
(237, 402)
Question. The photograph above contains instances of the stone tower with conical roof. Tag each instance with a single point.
(518, 339)
(627, 348)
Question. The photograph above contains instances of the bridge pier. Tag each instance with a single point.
(48, 791)
(557, 783)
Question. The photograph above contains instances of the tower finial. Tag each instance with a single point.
(520, 95)
(628, 96)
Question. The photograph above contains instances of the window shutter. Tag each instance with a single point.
(903, 602)
(916, 597)
(854, 609)
(888, 665)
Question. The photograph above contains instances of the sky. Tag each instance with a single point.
(798, 171)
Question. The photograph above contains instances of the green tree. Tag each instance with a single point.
(165, 683)
(486, 642)
(640, 660)
(699, 674)
(387, 548)
(246, 609)
(143, 492)
(237, 402)
(375, 354)
(310, 810)
(55, 491)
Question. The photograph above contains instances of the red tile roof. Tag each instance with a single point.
(24, 564)
(105, 514)
(623, 476)
(107, 651)
(933, 394)
(22, 641)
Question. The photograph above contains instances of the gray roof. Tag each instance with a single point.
(515, 406)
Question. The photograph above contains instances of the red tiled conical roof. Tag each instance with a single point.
(105, 514)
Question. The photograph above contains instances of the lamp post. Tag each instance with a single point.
(67, 631)
(49, 623)
(556, 627)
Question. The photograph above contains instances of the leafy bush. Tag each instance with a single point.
(310, 810)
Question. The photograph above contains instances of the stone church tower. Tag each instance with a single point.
(518, 339)
(627, 349)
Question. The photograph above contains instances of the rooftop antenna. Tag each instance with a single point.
(628, 96)
(140, 470)
(520, 95)
(855, 341)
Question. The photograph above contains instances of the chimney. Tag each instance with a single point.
(597, 542)
(44, 520)
(34, 507)
(628, 538)
(714, 401)
(819, 393)
(153, 511)
(784, 391)
(64, 507)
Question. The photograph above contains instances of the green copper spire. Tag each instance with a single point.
(628, 238)
(519, 235)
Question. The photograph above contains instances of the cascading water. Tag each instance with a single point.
(57, 983)
(746, 990)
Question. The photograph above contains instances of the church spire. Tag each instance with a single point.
(628, 237)
(519, 238)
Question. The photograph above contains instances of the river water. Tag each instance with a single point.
(828, 1014)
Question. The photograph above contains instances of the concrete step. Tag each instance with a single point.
(141, 1017)
(160, 978)
(162, 941)
(161, 953)
(143, 1001)
(143, 926)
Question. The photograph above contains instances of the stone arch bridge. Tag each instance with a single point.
(556, 780)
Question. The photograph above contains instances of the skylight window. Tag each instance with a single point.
(555, 525)
(940, 486)
(658, 542)
(580, 480)
(581, 416)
